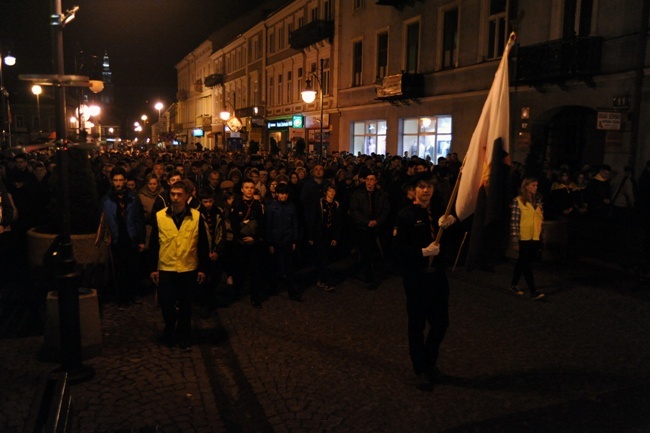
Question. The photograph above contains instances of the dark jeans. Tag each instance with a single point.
(528, 252)
(427, 301)
(127, 275)
(369, 252)
(283, 265)
(175, 299)
(247, 268)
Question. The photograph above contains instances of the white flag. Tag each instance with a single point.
(494, 123)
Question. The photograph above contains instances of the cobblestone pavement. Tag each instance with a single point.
(575, 362)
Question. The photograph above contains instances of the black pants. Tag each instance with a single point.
(247, 268)
(427, 301)
(369, 252)
(175, 299)
(528, 252)
(127, 275)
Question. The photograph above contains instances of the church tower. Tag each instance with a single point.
(106, 96)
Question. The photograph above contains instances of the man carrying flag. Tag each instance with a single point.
(424, 277)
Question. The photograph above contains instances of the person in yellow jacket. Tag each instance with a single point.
(526, 218)
(180, 251)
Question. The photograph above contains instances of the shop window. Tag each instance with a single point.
(369, 137)
(427, 136)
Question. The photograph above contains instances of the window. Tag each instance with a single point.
(314, 14)
(497, 28)
(358, 4)
(427, 136)
(271, 92)
(326, 77)
(327, 10)
(280, 98)
(281, 37)
(577, 18)
(35, 125)
(20, 122)
(369, 137)
(299, 80)
(357, 63)
(450, 39)
(412, 47)
(289, 87)
(271, 42)
(382, 54)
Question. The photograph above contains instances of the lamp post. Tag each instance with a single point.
(8, 60)
(37, 90)
(158, 106)
(67, 279)
(309, 95)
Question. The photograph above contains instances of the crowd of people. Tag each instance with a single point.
(227, 224)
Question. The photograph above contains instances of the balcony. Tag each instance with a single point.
(401, 88)
(311, 33)
(556, 62)
(397, 4)
(213, 80)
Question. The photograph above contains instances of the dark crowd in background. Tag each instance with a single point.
(308, 212)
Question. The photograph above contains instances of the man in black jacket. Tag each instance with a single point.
(369, 211)
(424, 278)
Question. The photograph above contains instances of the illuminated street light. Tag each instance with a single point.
(309, 95)
(8, 60)
(158, 106)
(37, 90)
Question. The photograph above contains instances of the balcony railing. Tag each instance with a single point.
(213, 80)
(311, 33)
(401, 88)
(557, 61)
(397, 4)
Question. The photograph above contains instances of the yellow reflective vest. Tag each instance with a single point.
(530, 221)
(179, 251)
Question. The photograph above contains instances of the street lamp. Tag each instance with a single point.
(158, 106)
(309, 95)
(37, 90)
(8, 60)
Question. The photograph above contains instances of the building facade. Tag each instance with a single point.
(409, 77)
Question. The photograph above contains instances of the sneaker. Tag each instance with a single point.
(516, 290)
(424, 382)
(321, 285)
(329, 288)
(535, 296)
(137, 300)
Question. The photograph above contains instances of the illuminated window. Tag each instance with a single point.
(369, 137)
(427, 136)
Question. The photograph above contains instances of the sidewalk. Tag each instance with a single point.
(576, 362)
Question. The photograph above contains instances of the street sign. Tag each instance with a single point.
(608, 120)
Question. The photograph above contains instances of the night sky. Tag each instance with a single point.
(144, 39)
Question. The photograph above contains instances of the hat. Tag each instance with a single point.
(226, 184)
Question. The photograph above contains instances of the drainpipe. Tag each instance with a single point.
(635, 106)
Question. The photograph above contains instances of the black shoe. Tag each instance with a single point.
(296, 298)
(185, 346)
(536, 296)
(424, 382)
(256, 304)
(166, 340)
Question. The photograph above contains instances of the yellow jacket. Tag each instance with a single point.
(179, 249)
(526, 220)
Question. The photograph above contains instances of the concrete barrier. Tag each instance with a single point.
(89, 322)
